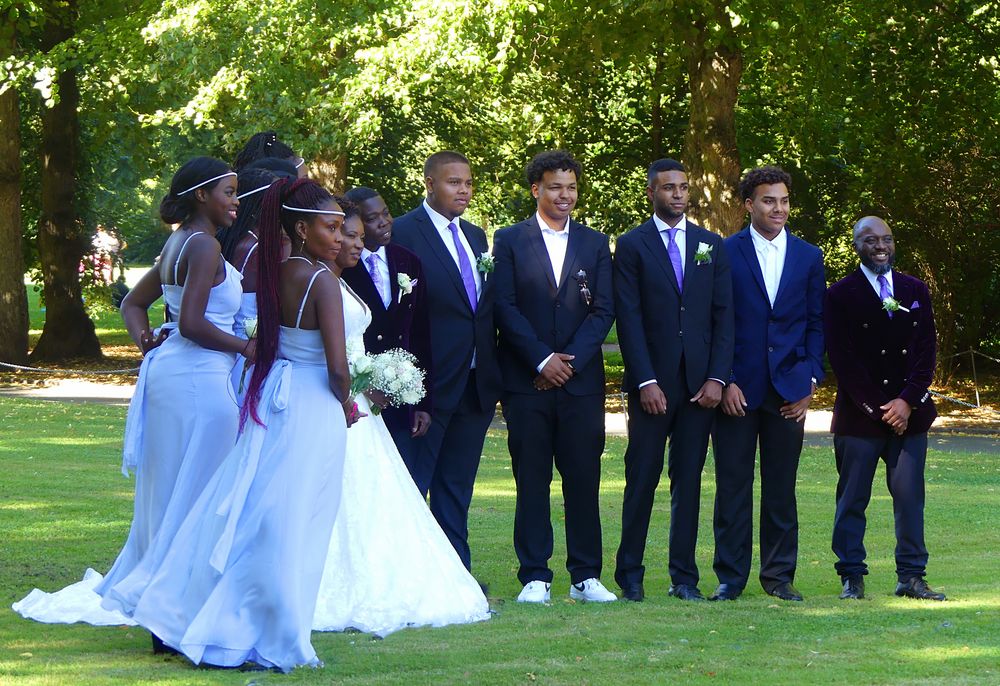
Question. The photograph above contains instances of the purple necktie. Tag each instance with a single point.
(465, 267)
(675, 258)
(376, 277)
(883, 291)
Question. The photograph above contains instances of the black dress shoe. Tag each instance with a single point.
(916, 587)
(854, 588)
(633, 592)
(785, 591)
(726, 592)
(685, 592)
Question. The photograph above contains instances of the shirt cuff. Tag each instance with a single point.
(544, 362)
(646, 383)
(712, 378)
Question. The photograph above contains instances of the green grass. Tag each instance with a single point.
(64, 507)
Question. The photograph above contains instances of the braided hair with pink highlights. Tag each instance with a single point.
(301, 193)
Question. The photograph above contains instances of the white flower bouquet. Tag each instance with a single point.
(361, 365)
(396, 374)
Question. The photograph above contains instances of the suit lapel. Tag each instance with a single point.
(436, 243)
(533, 236)
(572, 248)
(654, 243)
(749, 253)
(690, 245)
(393, 278)
(791, 259)
(365, 287)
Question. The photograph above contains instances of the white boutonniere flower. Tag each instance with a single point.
(484, 264)
(890, 304)
(405, 284)
(703, 255)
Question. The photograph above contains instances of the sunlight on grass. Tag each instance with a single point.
(940, 653)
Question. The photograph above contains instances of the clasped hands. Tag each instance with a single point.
(897, 415)
(653, 401)
(734, 404)
(556, 372)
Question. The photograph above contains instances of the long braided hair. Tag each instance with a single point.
(248, 213)
(263, 144)
(274, 220)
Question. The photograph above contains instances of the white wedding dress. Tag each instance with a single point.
(389, 565)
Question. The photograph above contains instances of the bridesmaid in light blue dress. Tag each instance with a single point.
(239, 580)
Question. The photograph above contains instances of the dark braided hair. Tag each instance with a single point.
(274, 220)
(260, 145)
(248, 212)
(283, 169)
(176, 208)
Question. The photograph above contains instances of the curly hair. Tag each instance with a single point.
(551, 160)
(763, 176)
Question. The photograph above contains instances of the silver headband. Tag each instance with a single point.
(302, 209)
(302, 161)
(202, 183)
(255, 190)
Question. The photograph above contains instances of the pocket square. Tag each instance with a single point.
(915, 305)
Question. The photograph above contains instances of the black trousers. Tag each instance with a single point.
(542, 428)
(735, 441)
(857, 459)
(444, 463)
(688, 425)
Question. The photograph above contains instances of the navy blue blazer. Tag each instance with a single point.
(536, 319)
(780, 346)
(877, 359)
(658, 324)
(456, 331)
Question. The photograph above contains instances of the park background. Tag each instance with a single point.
(872, 106)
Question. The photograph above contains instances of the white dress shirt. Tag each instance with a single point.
(873, 280)
(384, 287)
(680, 238)
(441, 224)
(771, 257)
(556, 243)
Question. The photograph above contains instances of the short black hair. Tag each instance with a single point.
(359, 194)
(443, 157)
(551, 160)
(281, 168)
(763, 176)
(663, 165)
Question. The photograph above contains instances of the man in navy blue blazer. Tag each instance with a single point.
(463, 342)
(554, 308)
(778, 287)
(674, 302)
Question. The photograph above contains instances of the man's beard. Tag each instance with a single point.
(879, 269)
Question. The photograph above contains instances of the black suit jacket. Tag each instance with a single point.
(456, 331)
(535, 318)
(877, 359)
(657, 323)
(404, 324)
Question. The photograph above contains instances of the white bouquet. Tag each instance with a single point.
(397, 375)
(250, 326)
(361, 365)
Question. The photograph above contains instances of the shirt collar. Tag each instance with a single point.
(439, 220)
(545, 227)
(873, 277)
(380, 253)
(778, 242)
(662, 226)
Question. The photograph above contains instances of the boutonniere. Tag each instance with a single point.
(581, 281)
(405, 284)
(484, 263)
(890, 304)
(703, 255)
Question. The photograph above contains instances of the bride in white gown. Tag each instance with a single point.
(389, 564)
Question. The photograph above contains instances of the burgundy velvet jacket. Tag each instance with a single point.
(404, 324)
(877, 358)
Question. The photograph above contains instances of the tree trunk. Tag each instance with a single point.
(329, 172)
(710, 154)
(13, 296)
(62, 237)
(656, 106)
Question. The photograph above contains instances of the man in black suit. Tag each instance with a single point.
(454, 255)
(673, 296)
(390, 279)
(554, 308)
(880, 337)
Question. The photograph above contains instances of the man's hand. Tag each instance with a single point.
(557, 371)
(377, 398)
(147, 342)
(709, 395)
(421, 422)
(897, 414)
(733, 401)
(797, 411)
(652, 399)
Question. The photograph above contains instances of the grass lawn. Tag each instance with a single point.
(64, 507)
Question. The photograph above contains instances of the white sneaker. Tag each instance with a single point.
(592, 591)
(534, 592)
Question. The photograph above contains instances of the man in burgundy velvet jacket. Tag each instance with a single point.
(879, 331)
(399, 318)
